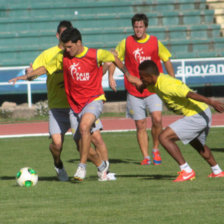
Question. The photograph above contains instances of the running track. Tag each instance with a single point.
(109, 124)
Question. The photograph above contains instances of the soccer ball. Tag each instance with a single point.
(27, 177)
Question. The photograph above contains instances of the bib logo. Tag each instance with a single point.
(139, 55)
(76, 75)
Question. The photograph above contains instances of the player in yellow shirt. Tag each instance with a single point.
(133, 50)
(59, 109)
(193, 128)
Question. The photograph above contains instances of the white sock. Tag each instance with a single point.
(216, 169)
(185, 167)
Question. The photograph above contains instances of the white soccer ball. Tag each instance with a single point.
(27, 177)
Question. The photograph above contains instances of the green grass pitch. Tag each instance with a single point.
(141, 194)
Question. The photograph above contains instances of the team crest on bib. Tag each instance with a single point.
(76, 73)
(139, 55)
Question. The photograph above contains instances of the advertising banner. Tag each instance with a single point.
(194, 72)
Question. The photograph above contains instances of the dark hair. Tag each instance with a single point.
(149, 67)
(140, 17)
(71, 34)
(64, 24)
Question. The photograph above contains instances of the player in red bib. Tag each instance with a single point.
(133, 50)
(83, 86)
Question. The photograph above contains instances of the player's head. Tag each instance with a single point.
(148, 69)
(63, 25)
(72, 40)
(140, 17)
(140, 24)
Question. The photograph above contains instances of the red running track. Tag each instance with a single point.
(109, 124)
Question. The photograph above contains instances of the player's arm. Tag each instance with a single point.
(169, 68)
(119, 52)
(37, 72)
(165, 55)
(217, 105)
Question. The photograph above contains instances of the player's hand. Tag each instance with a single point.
(218, 106)
(13, 81)
(113, 85)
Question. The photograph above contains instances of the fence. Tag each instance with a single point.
(193, 72)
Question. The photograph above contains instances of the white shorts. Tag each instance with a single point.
(59, 122)
(95, 108)
(137, 107)
(189, 128)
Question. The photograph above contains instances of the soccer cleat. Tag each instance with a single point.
(111, 176)
(221, 174)
(156, 158)
(80, 174)
(103, 174)
(183, 176)
(62, 174)
(146, 162)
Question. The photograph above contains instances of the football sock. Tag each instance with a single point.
(147, 157)
(102, 166)
(155, 150)
(216, 169)
(83, 165)
(59, 166)
(185, 167)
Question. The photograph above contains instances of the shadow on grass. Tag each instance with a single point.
(138, 177)
(112, 161)
(39, 178)
(148, 177)
(217, 149)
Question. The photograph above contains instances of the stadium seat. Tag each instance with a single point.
(186, 27)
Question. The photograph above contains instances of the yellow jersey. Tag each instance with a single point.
(173, 92)
(55, 81)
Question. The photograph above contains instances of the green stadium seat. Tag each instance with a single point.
(28, 27)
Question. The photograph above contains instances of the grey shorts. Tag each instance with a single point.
(192, 127)
(59, 122)
(137, 107)
(95, 108)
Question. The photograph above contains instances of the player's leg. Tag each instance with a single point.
(168, 140)
(86, 123)
(100, 145)
(156, 128)
(206, 153)
(93, 156)
(137, 111)
(56, 149)
(154, 105)
(58, 126)
(87, 120)
(142, 138)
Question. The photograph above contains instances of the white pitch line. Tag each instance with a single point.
(69, 133)
(47, 134)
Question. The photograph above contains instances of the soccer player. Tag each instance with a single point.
(193, 128)
(133, 50)
(83, 73)
(59, 121)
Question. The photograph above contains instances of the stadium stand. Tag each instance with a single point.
(187, 27)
